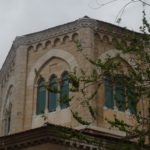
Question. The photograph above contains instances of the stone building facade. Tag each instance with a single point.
(53, 52)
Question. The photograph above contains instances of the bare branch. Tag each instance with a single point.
(122, 10)
(145, 3)
(103, 4)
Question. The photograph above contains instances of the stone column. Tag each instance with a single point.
(86, 39)
(30, 109)
(86, 36)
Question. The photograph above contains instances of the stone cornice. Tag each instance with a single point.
(68, 137)
(57, 135)
(97, 26)
(46, 134)
(55, 31)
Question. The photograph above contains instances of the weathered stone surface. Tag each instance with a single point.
(55, 51)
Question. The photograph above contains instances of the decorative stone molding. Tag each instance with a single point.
(46, 34)
(39, 46)
(53, 42)
(47, 44)
(53, 134)
(113, 53)
(71, 27)
(108, 39)
(69, 58)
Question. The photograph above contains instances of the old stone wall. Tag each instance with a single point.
(56, 50)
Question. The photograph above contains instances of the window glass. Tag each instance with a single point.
(132, 99)
(41, 97)
(64, 92)
(115, 92)
(120, 93)
(108, 92)
(52, 101)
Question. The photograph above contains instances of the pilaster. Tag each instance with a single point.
(20, 89)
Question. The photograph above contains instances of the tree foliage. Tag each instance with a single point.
(135, 80)
(137, 46)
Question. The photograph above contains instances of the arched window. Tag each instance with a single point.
(109, 103)
(52, 97)
(64, 91)
(41, 97)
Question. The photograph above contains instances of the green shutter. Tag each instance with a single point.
(64, 93)
(108, 92)
(41, 97)
(52, 102)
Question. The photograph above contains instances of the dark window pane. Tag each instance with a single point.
(120, 93)
(132, 99)
(64, 93)
(41, 97)
(52, 102)
(108, 92)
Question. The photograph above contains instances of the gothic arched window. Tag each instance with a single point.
(64, 91)
(41, 97)
(52, 97)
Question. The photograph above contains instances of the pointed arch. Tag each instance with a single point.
(117, 93)
(68, 57)
(113, 53)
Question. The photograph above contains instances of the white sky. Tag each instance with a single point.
(19, 17)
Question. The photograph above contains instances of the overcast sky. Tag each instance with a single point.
(19, 17)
